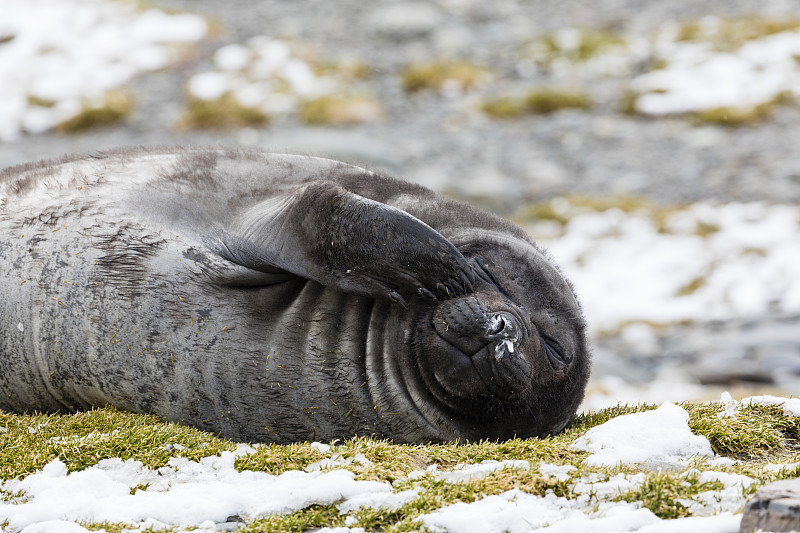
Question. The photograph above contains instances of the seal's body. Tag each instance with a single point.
(278, 298)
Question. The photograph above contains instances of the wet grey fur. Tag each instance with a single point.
(278, 298)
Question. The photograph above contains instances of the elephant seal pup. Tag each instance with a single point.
(278, 298)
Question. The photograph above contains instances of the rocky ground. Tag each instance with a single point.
(439, 137)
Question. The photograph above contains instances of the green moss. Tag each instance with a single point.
(661, 491)
(108, 527)
(541, 211)
(504, 107)
(704, 229)
(83, 439)
(435, 74)
(627, 102)
(40, 102)
(586, 421)
(595, 42)
(692, 287)
(225, 112)
(717, 116)
(313, 517)
(116, 105)
(549, 100)
(340, 110)
(727, 34)
(582, 45)
(345, 70)
(537, 101)
(563, 208)
(754, 432)
(754, 252)
(733, 116)
(550, 449)
(727, 116)
(435, 494)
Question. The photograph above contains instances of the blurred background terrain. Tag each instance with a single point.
(650, 146)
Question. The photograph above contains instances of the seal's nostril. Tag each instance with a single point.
(501, 326)
(496, 325)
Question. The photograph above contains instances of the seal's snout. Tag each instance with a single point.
(471, 326)
(483, 347)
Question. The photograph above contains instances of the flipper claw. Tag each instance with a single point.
(395, 297)
(426, 293)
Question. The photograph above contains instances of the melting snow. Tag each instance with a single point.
(711, 262)
(661, 435)
(258, 73)
(699, 77)
(730, 407)
(467, 472)
(517, 512)
(183, 493)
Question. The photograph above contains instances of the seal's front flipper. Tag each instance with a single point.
(340, 239)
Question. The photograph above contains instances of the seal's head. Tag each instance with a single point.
(509, 358)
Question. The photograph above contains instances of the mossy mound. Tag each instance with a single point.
(754, 436)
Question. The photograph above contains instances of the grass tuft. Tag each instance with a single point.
(661, 492)
(83, 439)
(504, 107)
(560, 210)
(731, 117)
(727, 34)
(540, 101)
(544, 101)
(313, 517)
(340, 110)
(115, 106)
(575, 45)
(691, 287)
(734, 116)
(225, 112)
(437, 74)
(755, 432)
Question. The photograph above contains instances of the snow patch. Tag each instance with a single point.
(698, 77)
(557, 472)
(471, 472)
(263, 74)
(730, 407)
(712, 262)
(661, 435)
(182, 493)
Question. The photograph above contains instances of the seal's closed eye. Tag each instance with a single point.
(556, 355)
